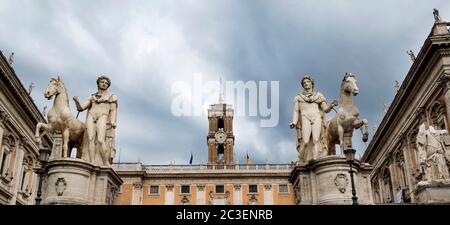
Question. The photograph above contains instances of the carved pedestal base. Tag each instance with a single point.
(327, 181)
(75, 181)
(433, 192)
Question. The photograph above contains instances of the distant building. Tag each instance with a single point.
(219, 182)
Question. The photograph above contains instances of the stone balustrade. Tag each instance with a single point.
(203, 168)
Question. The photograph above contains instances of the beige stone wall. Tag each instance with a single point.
(153, 199)
(283, 198)
(125, 196)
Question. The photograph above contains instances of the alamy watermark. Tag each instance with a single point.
(249, 98)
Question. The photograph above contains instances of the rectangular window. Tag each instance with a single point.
(154, 190)
(283, 188)
(220, 189)
(185, 189)
(252, 188)
(3, 166)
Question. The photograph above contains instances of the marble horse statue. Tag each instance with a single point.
(340, 127)
(61, 121)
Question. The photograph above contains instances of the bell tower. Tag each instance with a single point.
(220, 134)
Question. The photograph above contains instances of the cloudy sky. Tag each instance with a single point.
(147, 46)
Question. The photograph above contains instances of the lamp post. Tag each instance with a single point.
(350, 156)
(44, 154)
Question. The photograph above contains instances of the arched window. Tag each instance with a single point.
(220, 124)
(26, 179)
(220, 152)
(436, 115)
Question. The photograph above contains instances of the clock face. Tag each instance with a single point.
(220, 137)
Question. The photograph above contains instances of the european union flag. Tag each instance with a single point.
(192, 157)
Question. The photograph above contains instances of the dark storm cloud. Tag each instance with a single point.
(146, 46)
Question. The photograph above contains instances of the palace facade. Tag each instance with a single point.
(399, 166)
(18, 151)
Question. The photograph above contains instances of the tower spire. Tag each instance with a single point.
(220, 92)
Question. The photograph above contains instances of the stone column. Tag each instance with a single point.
(57, 146)
(136, 198)
(210, 120)
(268, 194)
(393, 181)
(34, 186)
(237, 195)
(16, 168)
(381, 186)
(444, 82)
(409, 173)
(228, 151)
(3, 119)
(201, 194)
(170, 196)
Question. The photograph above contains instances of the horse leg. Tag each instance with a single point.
(47, 128)
(331, 145)
(341, 137)
(66, 135)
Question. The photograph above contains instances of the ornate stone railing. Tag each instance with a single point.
(238, 168)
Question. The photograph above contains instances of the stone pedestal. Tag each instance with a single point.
(327, 181)
(75, 181)
(440, 28)
(433, 192)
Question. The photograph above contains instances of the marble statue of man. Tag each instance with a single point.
(431, 153)
(437, 18)
(101, 121)
(411, 55)
(308, 118)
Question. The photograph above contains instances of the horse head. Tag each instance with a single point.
(349, 84)
(55, 87)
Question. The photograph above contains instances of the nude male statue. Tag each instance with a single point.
(308, 118)
(100, 121)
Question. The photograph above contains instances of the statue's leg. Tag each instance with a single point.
(101, 138)
(65, 146)
(306, 136)
(316, 128)
(90, 128)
